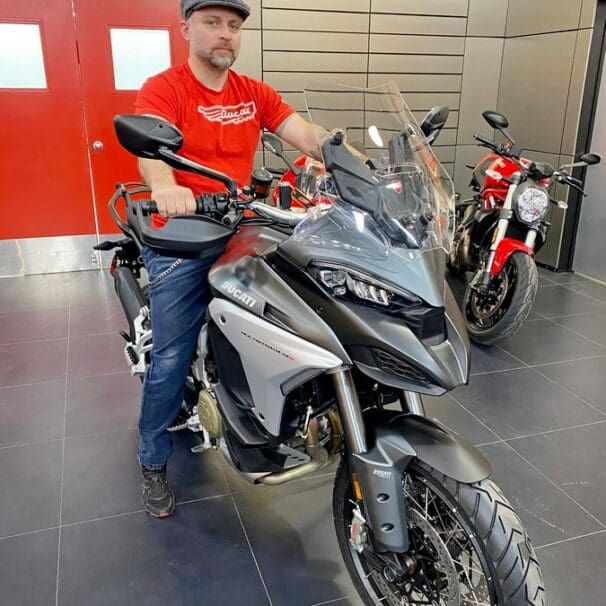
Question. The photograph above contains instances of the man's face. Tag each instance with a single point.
(214, 35)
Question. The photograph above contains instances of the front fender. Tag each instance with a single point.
(395, 439)
(506, 247)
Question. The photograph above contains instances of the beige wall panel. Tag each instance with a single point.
(276, 61)
(423, 7)
(445, 154)
(536, 106)
(542, 16)
(465, 154)
(315, 41)
(588, 13)
(254, 21)
(419, 101)
(259, 160)
(416, 83)
(295, 82)
(321, 5)
(448, 136)
(249, 59)
(411, 64)
(314, 21)
(405, 24)
(296, 100)
(487, 18)
(480, 88)
(398, 43)
(575, 92)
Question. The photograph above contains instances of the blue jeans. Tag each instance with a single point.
(179, 296)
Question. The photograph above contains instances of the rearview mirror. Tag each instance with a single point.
(144, 136)
(272, 143)
(495, 119)
(590, 159)
(435, 119)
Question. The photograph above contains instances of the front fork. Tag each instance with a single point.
(377, 472)
(499, 234)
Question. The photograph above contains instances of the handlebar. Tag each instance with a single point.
(206, 204)
(485, 141)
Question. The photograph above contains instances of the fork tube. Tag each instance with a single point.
(350, 411)
(413, 402)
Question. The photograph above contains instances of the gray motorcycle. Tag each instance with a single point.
(324, 331)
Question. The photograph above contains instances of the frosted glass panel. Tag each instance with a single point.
(137, 55)
(21, 63)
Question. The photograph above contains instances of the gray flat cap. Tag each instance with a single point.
(189, 6)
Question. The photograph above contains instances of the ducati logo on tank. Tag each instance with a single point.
(236, 293)
(229, 114)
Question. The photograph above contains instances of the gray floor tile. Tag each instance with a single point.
(490, 359)
(591, 289)
(575, 459)
(521, 402)
(574, 571)
(32, 413)
(102, 403)
(40, 292)
(456, 418)
(91, 287)
(561, 277)
(197, 556)
(592, 326)
(19, 326)
(102, 476)
(96, 319)
(25, 363)
(586, 378)
(557, 300)
(291, 531)
(548, 514)
(545, 341)
(28, 569)
(96, 355)
(30, 487)
(349, 601)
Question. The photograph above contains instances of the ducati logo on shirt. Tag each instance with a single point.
(229, 114)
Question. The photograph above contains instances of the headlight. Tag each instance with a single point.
(343, 282)
(530, 203)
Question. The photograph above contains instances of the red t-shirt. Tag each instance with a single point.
(220, 128)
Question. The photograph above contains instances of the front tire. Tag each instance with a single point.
(492, 317)
(468, 546)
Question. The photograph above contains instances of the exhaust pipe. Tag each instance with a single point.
(131, 297)
(319, 458)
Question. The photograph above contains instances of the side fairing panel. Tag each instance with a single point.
(270, 357)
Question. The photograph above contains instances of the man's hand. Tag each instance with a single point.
(174, 200)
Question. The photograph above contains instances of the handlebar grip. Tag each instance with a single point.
(149, 207)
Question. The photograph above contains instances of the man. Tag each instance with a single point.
(220, 114)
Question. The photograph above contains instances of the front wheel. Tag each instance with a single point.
(467, 546)
(499, 312)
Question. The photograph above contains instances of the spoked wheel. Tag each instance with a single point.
(499, 312)
(467, 546)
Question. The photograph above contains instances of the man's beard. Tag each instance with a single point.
(218, 60)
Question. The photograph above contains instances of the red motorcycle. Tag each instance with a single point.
(303, 184)
(500, 230)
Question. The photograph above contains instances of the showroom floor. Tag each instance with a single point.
(72, 530)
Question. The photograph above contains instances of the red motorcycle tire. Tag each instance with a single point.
(497, 316)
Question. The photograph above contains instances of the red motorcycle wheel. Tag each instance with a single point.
(499, 313)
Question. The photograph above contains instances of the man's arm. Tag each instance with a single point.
(171, 199)
(303, 135)
(308, 138)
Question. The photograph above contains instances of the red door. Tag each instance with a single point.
(119, 42)
(44, 176)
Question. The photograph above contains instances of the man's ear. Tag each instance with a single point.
(185, 29)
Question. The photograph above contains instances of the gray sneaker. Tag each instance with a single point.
(158, 498)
